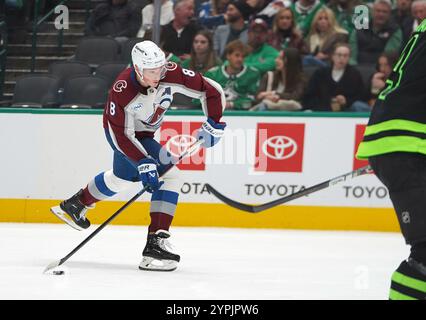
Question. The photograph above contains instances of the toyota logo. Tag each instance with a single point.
(179, 144)
(279, 147)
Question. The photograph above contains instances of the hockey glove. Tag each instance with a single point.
(148, 174)
(211, 132)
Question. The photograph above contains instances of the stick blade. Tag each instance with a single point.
(230, 202)
(51, 266)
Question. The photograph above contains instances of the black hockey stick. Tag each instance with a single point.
(304, 192)
(59, 262)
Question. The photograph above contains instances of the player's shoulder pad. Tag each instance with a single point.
(123, 90)
(174, 72)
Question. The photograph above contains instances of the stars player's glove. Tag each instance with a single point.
(211, 132)
(149, 175)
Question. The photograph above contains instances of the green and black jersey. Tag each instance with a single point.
(398, 119)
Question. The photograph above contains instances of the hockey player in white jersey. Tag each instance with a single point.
(135, 109)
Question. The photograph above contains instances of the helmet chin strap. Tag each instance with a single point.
(140, 76)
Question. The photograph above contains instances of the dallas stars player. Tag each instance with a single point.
(395, 145)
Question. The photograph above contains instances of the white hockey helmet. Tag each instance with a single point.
(147, 55)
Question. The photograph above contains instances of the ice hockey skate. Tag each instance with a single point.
(157, 255)
(73, 212)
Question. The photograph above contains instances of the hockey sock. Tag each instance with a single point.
(159, 221)
(86, 198)
(408, 283)
(162, 210)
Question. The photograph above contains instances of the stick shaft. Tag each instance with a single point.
(103, 225)
(302, 193)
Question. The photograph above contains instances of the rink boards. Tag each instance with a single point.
(47, 155)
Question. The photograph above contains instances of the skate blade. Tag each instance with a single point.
(151, 264)
(57, 211)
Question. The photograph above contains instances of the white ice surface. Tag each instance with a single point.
(216, 263)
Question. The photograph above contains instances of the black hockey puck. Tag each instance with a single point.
(58, 272)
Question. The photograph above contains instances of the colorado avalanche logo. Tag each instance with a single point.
(119, 86)
(170, 66)
(166, 98)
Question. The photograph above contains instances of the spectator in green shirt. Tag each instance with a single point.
(304, 11)
(239, 81)
(344, 10)
(262, 56)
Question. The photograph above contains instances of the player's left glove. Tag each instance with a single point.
(148, 174)
(211, 132)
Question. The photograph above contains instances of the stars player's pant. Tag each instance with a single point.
(162, 208)
(404, 174)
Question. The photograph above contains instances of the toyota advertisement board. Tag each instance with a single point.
(259, 159)
(263, 158)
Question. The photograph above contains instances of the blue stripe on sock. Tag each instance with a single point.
(165, 195)
(100, 184)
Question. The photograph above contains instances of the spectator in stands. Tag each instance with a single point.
(285, 33)
(177, 36)
(401, 15)
(418, 11)
(172, 57)
(343, 11)
(167, 15)
(271, 9)
(323, 36)
(203, 56)
(377, 82)
(282, 89)
(212, 13)
(335, 87)
(402, 11)
(383, 35)
(262, 56)
(114, 18)
(304, 12)
(239, 81)
(235, 27)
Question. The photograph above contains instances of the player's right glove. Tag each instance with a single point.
(211, 132)
(149, 175)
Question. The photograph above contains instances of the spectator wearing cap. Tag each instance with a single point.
(262, 56)
(235, 28)
(304, 12)
(382, 35)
